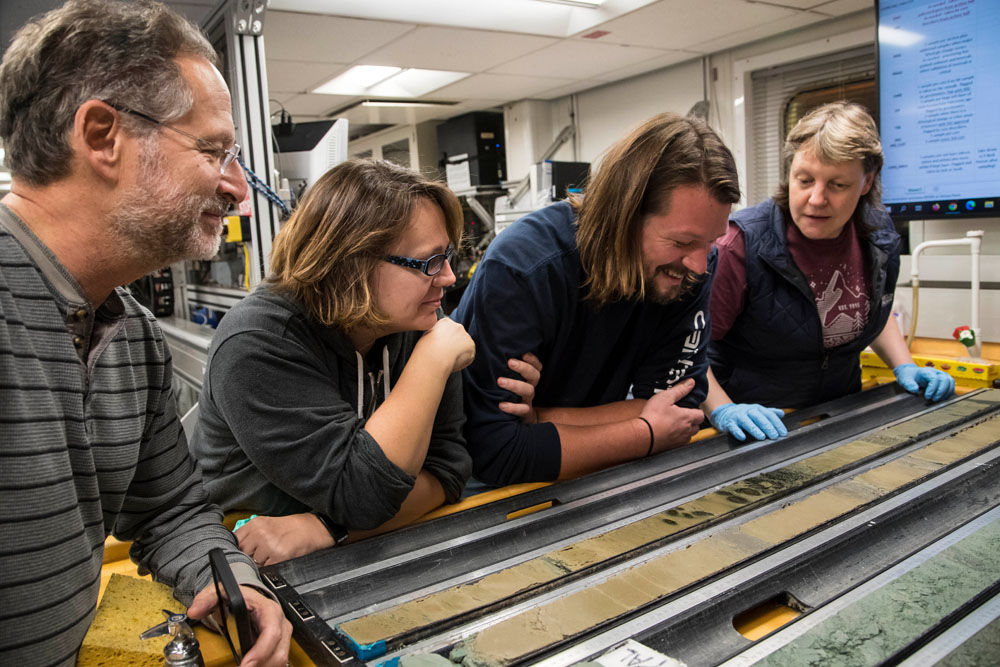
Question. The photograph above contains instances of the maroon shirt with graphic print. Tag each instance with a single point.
(834, 268)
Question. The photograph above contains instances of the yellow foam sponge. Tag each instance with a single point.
(129, 607)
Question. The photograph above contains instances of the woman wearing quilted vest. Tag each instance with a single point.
(805, 282)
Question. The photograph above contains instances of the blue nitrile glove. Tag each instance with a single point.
(913, 378)
(760, 422)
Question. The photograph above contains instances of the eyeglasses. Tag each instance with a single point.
(430, 266)
(222, 155)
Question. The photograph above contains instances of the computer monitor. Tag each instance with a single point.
(939, 107)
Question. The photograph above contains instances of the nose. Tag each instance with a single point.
(232, 183)
(697, 259)
(445, 276)
(817, 195)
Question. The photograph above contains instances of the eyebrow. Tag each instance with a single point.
(222, 140)
(224, 137)
(436, 250)
(682, 239)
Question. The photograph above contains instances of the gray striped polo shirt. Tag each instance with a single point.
(90, 446)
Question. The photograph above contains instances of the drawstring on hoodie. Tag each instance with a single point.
(384, 373)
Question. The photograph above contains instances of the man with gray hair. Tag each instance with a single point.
(120, 141)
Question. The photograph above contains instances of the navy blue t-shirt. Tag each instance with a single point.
(527, 295)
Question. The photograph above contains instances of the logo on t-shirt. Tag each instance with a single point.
(692, 343)
(843, 310)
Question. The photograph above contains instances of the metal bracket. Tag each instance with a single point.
(248, 16)
(301, 610)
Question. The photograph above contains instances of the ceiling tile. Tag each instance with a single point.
(292, 76)
(575, 87)
(326, 39)
(499, 86)
(455, 49)
(841, 7)
(317, 105)
(577, 59)
(741, 37)
(670, 58)
(682, 24)
(800, 4)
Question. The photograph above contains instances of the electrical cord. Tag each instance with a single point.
(260, 186)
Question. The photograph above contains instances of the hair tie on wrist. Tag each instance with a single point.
(650, 426)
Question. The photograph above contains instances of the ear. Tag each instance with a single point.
(869, 180)
(98, 139)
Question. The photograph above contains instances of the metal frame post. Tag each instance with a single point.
(239, 26)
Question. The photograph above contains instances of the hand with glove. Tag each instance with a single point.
(913, 378)
(738, 419)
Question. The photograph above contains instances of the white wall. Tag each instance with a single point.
(606, 113)
(530, 127)
(943, 309)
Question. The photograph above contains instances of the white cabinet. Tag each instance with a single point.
(412, 146)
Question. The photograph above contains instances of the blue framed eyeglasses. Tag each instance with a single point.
(430, 266)
(224, 156)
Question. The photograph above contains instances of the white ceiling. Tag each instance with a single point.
(512, 49)
(308, 42)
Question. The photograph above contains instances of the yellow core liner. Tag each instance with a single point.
(397, 620)
(764, 619)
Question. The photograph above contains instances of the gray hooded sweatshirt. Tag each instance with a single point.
(282, 414)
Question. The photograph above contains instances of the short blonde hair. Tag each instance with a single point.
(326, 254)
(636, 178)
(837, 132)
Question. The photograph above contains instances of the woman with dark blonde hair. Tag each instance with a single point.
(332, 401)
(805, 282)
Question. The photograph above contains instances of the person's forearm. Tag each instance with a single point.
(589, 448)
(426, 495)
(402, 425)
(598, 415)
(891, 347)
(716, 395)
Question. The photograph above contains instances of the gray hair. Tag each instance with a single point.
(85, 50)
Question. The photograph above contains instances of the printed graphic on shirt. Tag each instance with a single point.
(843, 306)
(692, 344)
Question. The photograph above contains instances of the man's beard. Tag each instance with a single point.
(687, 284)
(159, 222)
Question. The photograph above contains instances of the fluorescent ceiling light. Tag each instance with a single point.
(405, 103)
(389, 81)
(427, 104)
(528, 16)
(898, 36)
(579, 3)
(415, 82)
(357, 80)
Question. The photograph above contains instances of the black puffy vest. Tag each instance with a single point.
(774, 353)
